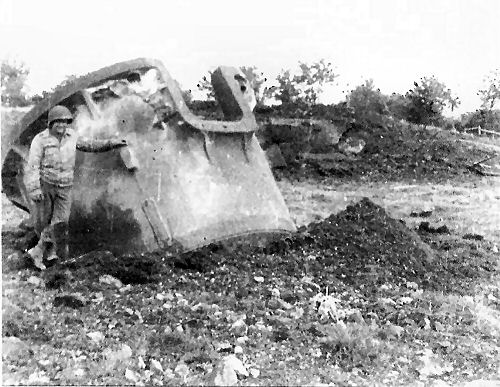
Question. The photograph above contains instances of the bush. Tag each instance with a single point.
(486, 119)
(369, 105)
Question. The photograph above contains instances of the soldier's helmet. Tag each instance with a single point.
(59, 113)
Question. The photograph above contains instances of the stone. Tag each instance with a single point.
(110, 280)
(352, 145)
(96, 336)
(34, 280)
(14, 347)
(113, 357)
(225, 373)
(155, 364)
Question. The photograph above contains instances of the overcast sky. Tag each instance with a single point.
(394, 42)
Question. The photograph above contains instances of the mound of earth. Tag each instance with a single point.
(361, 244)
(398, 152)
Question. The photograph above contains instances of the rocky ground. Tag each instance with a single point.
(389, 281)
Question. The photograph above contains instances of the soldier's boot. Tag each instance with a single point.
(61, 241)
(52, 252)
(36, 254)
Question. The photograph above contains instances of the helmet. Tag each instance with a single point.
(59, 113)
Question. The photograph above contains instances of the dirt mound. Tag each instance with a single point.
(398, 152)
(362, 240)
(360, 245)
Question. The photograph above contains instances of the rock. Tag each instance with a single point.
(14, 347)
(110, 280)
(238, 349)
(239, 327)
(182, 370)
(393, 330)
(156, 365)
(121, 355)
(242, 339)
(34, 280)
(225, 373)
(275, 157)
(131, 375)
(258, 279)
(38, 378)
(352, 145)
(254, 372)
(73, 300)
(96, 336)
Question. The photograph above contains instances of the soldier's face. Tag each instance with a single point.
(59, 127)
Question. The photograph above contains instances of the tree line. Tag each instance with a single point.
(300, 90)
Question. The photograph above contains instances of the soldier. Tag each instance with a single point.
(49, 179)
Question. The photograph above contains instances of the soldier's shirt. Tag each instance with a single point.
(53, 161)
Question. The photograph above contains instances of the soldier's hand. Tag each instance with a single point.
(36, 197)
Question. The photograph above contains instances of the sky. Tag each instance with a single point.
(393, 42)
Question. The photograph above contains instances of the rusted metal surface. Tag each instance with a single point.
(189, 180)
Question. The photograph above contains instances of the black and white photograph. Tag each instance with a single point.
(250, 193)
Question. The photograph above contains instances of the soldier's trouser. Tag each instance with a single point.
(52, 216)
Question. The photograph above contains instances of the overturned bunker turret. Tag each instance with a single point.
(181, 179)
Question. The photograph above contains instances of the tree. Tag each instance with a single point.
(14, 83)
(254, 77)
(256, 80)
(368, 103)
(427, 100)
(205, 85)
(490, 94)
(305, 87)
(397, 105)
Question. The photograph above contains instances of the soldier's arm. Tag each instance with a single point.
(85, 144)
(32, 170)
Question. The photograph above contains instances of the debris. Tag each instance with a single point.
(132, 375)
(74, 300)
(13, 346)
(96, 337)
(110, 280)
(155, 364)
(430, 365)
(392, 330)
(38, 378)
(352, 145)
(254, 372)
(226, 372)
(239, 327)
(114, 357)
(182, 370)
(34, 280)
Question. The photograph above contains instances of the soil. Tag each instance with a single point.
(355, 297)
